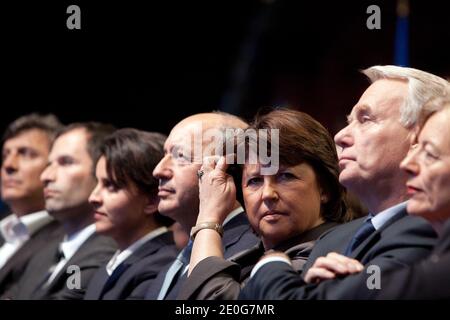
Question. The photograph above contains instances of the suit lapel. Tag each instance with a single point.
(444, 240)
(368, 243)
(29, 248)
(234, 229)
(145, 250)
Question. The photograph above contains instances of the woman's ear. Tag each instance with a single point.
(151, 205)
(324, 198)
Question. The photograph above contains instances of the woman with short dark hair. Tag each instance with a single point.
(289, 207)
(126, 208)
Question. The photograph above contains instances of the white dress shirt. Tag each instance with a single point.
(121, 256)
(18, 230)
(69, 246)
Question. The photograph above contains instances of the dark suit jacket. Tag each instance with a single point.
(218, 279)
(13, 270)
(92, 254)
(237, 237)
(427, 279)
(133, 276)
(399, 242)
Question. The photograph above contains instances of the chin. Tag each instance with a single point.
(416, 210)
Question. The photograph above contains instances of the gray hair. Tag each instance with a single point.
(422, 87)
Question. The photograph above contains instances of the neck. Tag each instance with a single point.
(74, 220)
(131, 237)
(24, 207)
(377, 201)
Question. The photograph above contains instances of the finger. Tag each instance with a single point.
(222, 164)
(352, 264)
(315, 275)
(332, 265)
(207, 164)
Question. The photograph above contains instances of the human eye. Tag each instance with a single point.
(254, 181)
(430, 155)
(65, 161)
(181, 155)
(109, 185)
(27, 152)
(364, 117)
(286, 175)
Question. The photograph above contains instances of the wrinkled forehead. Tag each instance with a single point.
(384, 97)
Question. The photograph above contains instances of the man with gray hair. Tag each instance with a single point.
(380, 130)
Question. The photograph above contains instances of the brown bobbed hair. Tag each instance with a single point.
(304, 140)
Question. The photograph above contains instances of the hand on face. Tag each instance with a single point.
(332, 265)
(217, 191)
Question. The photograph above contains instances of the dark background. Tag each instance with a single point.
(149, 64)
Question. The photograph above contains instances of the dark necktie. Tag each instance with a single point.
(363, 233)
(175, 270)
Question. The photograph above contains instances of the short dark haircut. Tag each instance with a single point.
(97, 133)
(131, 155)
(48, 123)
(304, 140)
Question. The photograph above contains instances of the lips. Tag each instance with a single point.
(344, 159)
(412, 190)
(272, 215)
(48, 193)
(99, 214)
(8, 183)
(164, 192)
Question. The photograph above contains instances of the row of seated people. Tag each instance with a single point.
(93, 207)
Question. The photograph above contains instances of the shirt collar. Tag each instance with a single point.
(233, 214)
(120, 257)
(70, 246)
(381, 218)
(20, 229)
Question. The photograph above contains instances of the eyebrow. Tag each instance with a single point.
(362, 108)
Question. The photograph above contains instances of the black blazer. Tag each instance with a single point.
(401, 241)
(13, 270)
(133, 276)
(92, 254)
(427, 279)
(218, 279)
(237, 237)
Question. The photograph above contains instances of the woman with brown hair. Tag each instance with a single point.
(288, 208)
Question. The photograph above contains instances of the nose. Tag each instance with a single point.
(48, 175)
(95, 198)
(344, 138)
(163, 169)
(409, 164)
(269, 192)
(10, 163)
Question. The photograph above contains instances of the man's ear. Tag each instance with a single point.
(151, 205)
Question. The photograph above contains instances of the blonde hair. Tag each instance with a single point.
(422, 87)
(434, 105)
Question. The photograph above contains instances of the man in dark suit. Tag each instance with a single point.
(63, 270)
(26, 144)
(126, 208)
(179, 199)
(378, 136)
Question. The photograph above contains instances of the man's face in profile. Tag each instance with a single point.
(24, 157)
